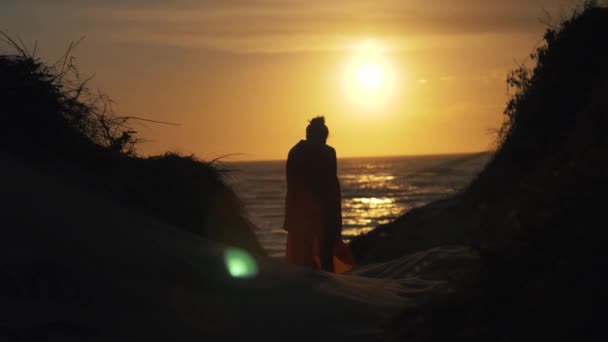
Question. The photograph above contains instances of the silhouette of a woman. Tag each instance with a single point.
(313, 212)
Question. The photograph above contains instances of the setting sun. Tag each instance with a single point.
(368, 80)
(369, 75)
(392, 77)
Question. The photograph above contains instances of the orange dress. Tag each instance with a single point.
(343, 258)
(313, 213)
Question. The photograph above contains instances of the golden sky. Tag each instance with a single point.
(243, 77)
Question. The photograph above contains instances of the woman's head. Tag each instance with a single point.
(316, 131)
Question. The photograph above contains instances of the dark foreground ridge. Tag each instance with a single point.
(535, 215)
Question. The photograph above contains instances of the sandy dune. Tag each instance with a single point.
(77, 266)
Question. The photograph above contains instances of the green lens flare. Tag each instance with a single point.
(239, 263)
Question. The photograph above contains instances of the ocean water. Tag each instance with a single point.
(374, 190)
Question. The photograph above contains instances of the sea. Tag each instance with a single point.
(374, 190)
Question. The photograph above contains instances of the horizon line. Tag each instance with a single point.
(370, 156)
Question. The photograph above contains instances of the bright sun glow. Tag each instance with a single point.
(368, 79)
(369, 75)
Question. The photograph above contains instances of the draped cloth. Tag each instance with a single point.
(313, 213)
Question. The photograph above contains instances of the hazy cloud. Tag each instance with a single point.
(273, 25)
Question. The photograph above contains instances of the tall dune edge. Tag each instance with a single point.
(535, 214)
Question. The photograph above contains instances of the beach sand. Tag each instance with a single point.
(77, 266)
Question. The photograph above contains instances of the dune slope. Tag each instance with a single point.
(70, 273)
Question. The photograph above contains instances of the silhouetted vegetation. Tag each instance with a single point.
(51, 106)
(52, 119)
(541, 203)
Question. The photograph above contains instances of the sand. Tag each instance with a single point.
(78, 266)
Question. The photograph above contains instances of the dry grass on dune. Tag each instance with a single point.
(51, 118)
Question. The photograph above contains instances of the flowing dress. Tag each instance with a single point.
(313, 212)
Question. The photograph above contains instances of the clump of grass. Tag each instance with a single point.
(50, 104)
(50, 114)
(546, 99)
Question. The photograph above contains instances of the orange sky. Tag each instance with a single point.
(242, 77)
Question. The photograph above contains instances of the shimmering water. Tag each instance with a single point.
(374, 190)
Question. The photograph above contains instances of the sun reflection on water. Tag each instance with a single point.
(374, 178)
(374, 191)
(363, 212)
(373, 200)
